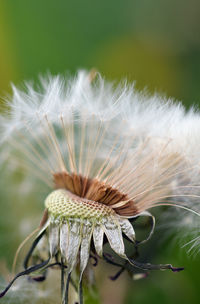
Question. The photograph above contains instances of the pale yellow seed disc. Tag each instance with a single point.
(63, 203)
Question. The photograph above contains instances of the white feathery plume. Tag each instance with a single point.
(110, 152)
(23, 292)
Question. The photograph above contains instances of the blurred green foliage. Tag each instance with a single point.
(156, 43)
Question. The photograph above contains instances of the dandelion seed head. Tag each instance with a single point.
(106, 154)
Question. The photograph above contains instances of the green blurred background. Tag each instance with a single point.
(153, 42)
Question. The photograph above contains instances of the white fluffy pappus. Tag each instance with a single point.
(27, 290)
(85, 126)
(23, 292)
(112, 154)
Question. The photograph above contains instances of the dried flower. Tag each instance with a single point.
(108, 155)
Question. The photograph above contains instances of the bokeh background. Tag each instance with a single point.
(153, 42)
